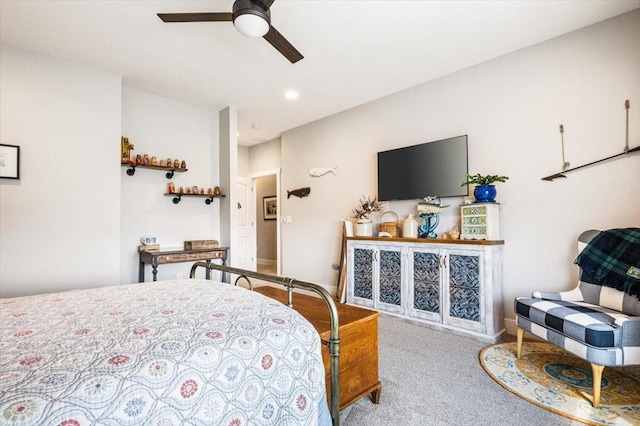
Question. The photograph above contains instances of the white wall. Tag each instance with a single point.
(510, 108)
(167, 129)
(243, 160)
(265, 156)
(60, 223)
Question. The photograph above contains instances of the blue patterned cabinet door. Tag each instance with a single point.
(363, 273)
(426, 282)
(390, 277)
(464, 287)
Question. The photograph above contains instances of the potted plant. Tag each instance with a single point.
(485, 190)
(364, 225)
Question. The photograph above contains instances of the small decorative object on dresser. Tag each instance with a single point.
(364, 225)
(480, 221)
(430, 210)
(390, 228)
(410, 227)
(485, 190)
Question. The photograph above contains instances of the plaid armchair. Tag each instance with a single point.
(597, 323)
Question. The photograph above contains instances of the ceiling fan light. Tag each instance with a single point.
(251, 25)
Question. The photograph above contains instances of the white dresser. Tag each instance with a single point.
(454, 285)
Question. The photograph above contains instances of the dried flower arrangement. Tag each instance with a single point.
(367, 207)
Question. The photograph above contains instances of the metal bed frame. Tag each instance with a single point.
(333, 343)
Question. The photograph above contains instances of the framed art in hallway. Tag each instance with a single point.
(9, 161)
(270, 207)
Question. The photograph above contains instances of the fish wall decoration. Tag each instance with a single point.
(321, 171)
(300, 192)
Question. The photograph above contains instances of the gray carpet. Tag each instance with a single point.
(432, 377)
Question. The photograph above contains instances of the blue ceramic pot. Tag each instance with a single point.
(485, 193)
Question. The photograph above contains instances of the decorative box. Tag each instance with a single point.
(149, 247)
(480, 221)
(201, 244)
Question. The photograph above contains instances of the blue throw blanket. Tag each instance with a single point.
(612, 258)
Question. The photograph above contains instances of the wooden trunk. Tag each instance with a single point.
(358, 333)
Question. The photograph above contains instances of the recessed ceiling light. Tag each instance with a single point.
(291, 94)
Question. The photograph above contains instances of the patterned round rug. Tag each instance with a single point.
(560, 382)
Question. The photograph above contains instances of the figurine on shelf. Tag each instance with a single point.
(188, 191)
(181, 190)
(154, 161)
(195, 189)
(161, 163)
(454, 233)
(201, 191)
(216, 191)
(138, 159)
(172, 188)
(169, 162)
(145, 160)
(183, 165)
(126, 149)
(176, 163)
(210, 191)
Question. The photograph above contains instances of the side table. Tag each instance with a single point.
(176, 256)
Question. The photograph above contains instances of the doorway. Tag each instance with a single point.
(266, 190)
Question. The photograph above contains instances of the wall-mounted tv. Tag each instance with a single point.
(430, 169)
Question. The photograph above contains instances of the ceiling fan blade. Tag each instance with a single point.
(265, 4)
(195, 17)
(281, 44)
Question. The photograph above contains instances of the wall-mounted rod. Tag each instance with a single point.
(562, 174)
(565, 164)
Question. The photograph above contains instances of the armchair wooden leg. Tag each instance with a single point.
(597, 382)
(520, 338)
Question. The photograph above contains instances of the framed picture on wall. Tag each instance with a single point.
(270, 207)
(9, 161)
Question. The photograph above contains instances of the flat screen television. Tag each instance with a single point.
(430, 169)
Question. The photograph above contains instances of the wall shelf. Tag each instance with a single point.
(178, 197)
(563, 173)
(170, 170)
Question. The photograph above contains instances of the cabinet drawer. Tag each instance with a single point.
(474, 231)
(474, 220)
(474, 210)
(186, 257)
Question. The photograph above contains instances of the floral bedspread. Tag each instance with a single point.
(192, 352)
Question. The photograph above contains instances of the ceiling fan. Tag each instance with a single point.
(251, 18)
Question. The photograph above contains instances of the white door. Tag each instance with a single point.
(244, 251)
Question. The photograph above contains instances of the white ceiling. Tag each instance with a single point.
(355, 51)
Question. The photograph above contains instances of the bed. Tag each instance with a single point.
(174, 352)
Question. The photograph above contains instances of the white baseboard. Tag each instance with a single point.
(510, 326)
